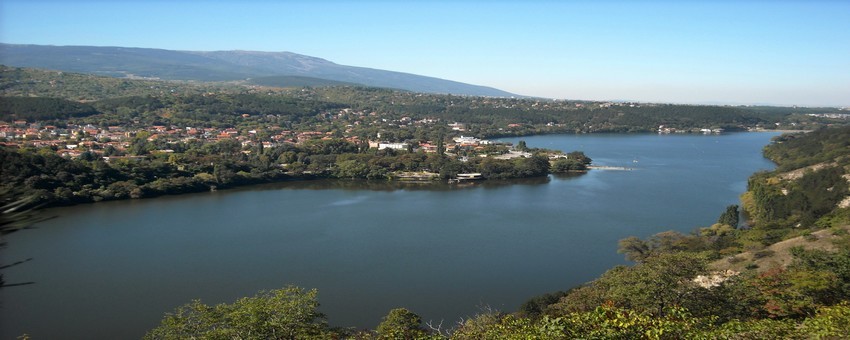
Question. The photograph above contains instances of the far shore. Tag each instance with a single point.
(783, 131)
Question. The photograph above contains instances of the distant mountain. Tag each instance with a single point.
(298, 81)
(221, 65)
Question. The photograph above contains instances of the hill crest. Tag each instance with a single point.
(222, 66)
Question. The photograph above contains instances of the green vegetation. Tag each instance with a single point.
(291, 313)
(288, 313)
(23, 82)
(806, 188)
(796, 151)
(296, 81)
(730, 217)
(37, 109)
(401, 323)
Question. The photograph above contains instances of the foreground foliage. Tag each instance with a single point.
(287, 313)
(291, 313)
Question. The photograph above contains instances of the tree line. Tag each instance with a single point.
(196, 167)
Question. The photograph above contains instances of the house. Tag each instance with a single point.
(457, 127)
(428, 147)
(469, 141)
(394, 146)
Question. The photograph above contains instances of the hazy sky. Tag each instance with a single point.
(739, 52)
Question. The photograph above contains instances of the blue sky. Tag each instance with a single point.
(736, 52)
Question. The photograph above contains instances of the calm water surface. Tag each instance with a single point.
(110, 270)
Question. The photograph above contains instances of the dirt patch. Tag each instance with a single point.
(796, 174)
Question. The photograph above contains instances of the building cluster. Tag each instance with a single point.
(663, 129)
(831, 115)
(73, 140)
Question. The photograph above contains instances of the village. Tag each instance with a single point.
(114, 141)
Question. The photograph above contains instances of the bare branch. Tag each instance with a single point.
(438, 329)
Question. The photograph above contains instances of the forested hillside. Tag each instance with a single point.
(42, 109)
(808, 185)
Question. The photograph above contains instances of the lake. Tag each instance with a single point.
(111, 270)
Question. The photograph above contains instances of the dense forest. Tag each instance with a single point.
(39, 109)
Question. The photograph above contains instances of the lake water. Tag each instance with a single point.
(111, 270)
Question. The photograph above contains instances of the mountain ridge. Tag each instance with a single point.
(119, 61)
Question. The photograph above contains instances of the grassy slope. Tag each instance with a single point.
(779, 254)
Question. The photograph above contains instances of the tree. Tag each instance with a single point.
(659, 282)
(730, 216)
(562, 165)
(521, 146)
(670, 241)
(829, 322)
(634, 248)
(401, 323)
(441, 146)
(287, 313)
(140, 145)
(580, 157)
(536, 306)
(351, 169)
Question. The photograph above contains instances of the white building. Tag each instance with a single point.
(394, 146)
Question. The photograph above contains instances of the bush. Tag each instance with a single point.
(401, 323)
(287, 313)
(763, 253)
(734, 259)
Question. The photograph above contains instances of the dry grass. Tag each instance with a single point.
(797, 174)
(778, 254)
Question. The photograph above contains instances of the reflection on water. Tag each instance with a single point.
(387, 185)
